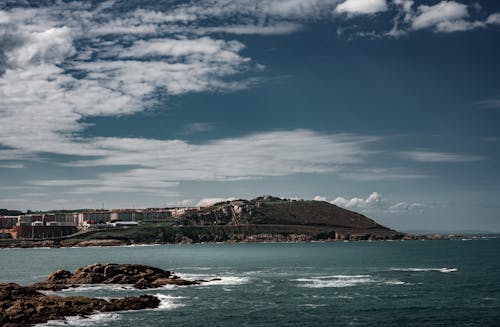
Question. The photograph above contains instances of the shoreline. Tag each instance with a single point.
(50, 244)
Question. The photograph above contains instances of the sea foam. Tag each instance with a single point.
(441, 270)
(168, 302)
(344, 281)
(221, 280)
(335, 281)
(92, 320)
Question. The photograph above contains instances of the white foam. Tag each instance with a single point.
(168, 302)
(222, 280)
(344, 281)
(95, 287)
(136, 245)
(335, 281)
(343, 276)
(92, 320)
(228, 280)
(310, 305)
(395, 282)
(442, 270)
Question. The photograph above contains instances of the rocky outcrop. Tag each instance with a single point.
(25, 306)
(141, 276)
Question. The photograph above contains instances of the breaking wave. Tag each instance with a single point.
(168, 302)
(441, 270)
(96, 287)
(343, 281)
(335, 281)
(92, 320)
(216, 280)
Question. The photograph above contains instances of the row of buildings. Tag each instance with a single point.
(59, 224)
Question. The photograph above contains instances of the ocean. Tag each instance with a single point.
(410, 283)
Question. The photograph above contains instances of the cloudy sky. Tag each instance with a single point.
(388, 107)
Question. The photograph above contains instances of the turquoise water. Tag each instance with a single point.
(417, 283)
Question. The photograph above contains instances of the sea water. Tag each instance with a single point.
(411, 283)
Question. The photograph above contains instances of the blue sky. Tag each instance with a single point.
(390, 108)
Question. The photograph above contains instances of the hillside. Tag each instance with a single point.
(276, 211)
(264, 219)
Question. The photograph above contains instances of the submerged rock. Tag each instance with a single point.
(141, 276)
(25, 306)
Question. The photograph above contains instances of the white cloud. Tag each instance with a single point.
(493, 19)
(381, 174)
(251, 156)
(38, 91)
(160, 165)
(441, 13)
(375, 202)
(4, 17)
(111, 182)
(406, 5)
(443, 17)
(361, 7)
(428, 156)
(259, 9)
(272, 29)
(207, 202)
(50, 46)
(405, 206)
(204, 48)
(319, 198)
(458, 26)
(50, 88)
(492, 103)
(184, 203)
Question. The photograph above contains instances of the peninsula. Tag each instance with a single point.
(263, 219)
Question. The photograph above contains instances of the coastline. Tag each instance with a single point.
(6, 244)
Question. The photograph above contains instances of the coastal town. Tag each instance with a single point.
(53, 225)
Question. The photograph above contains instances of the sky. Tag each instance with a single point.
(386, 107)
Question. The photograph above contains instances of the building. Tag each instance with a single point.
(96, 217)
(123, 215)
(7, 222)
(28, 220)
(66, 219)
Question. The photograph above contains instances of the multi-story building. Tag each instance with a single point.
(96, 217)
(28, 220)
(7, 222)
(65, 219)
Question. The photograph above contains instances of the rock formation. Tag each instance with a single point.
(140, 276)
(24, 305)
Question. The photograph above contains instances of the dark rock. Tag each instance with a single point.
(25, 306)
(140, 276)
(59, 275)
(143, 284)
